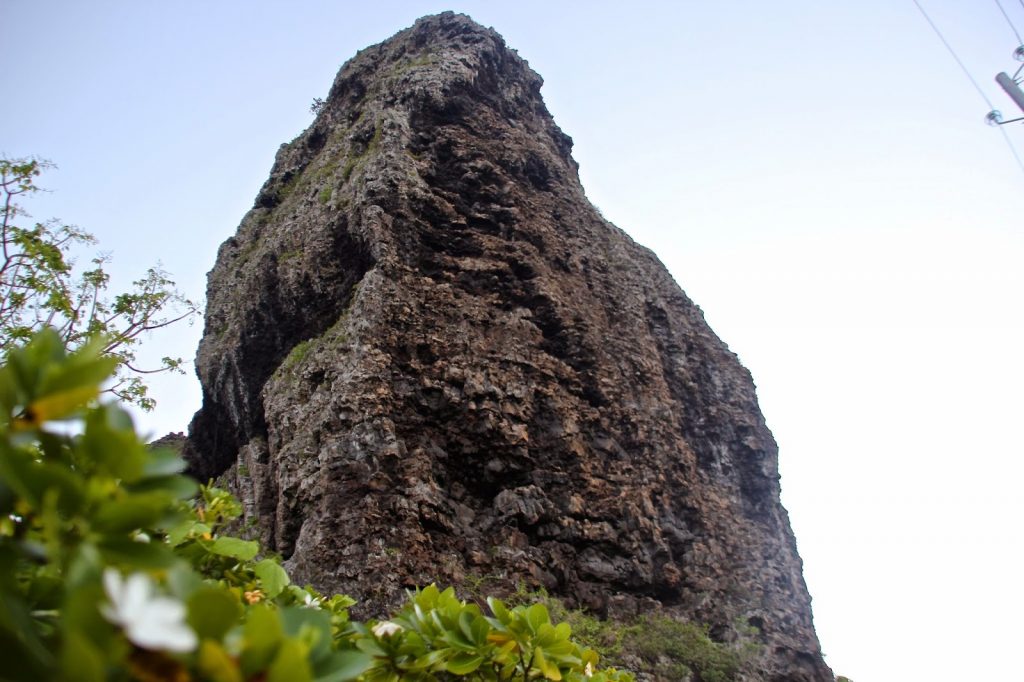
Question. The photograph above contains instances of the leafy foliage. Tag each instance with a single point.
(436, 636)
(115, 566)
(654, 643)
(682, 647)
(40, 287)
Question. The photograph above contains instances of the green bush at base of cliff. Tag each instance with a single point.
(652, 643)
(685, 646)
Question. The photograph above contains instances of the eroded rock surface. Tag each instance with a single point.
(428, 357)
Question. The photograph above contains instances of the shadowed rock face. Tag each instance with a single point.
(428, 357)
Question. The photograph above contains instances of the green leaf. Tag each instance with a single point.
(541, 662)
(455, 638)
(16, 623)
(181, 531)
(213, 611)
(163, 462)
(272, 576)
(175, 486)
(563, 651)
(125, 551)
(343, 666)
(428, 596)
(57, 405)
(507, 653)
(79, 613)
(262, 635)
(312, 626)
(28, 364)
(84, 566)
(536, 616)
(427, 660)
(32, 480)
(216, 665)
(370, 646)
(87, 367)
(129, 512)
(464, 663)
(499, 610)
(290, 664)
(235, 548)
(545, 635)
(465, 622)
(480, 630)
(182, 580)
(111, 447)
(80, 660)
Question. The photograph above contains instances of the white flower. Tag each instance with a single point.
(148, 620)
(589, 670)
(311, 603)
(386, 628)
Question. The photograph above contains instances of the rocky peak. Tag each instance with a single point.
(427, 357)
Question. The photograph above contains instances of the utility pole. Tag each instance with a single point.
(1011, 85)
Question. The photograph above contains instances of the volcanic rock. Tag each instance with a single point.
(427, 357)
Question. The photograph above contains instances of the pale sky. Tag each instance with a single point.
(817, 176)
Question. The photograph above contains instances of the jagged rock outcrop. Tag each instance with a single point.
(428, 357)
(172, 441)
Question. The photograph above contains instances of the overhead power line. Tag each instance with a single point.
(1013, 150)
(953, 52)
(1010, 22)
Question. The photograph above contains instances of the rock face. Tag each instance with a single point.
(427, 357)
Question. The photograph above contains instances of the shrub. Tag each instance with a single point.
(667, 648)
